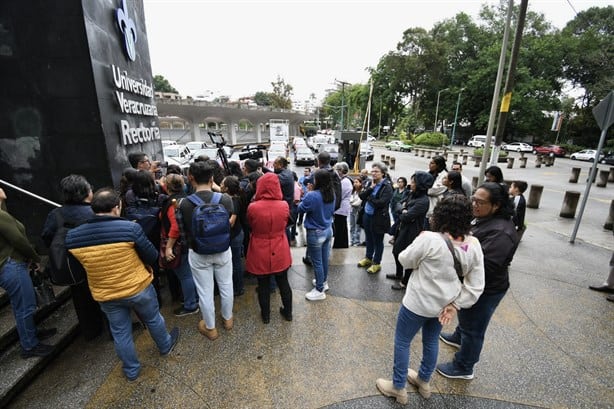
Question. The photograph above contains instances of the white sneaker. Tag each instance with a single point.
(315, 295)
(326, 287)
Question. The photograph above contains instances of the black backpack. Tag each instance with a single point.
(147, 214)
(64, 268)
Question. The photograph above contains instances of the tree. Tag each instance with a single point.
(262, 98)
(280, 97)
(161, 84)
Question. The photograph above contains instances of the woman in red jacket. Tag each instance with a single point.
(268, 253)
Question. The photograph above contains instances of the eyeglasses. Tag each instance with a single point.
(479, 202)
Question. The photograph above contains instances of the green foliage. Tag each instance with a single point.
(262, 98)
(282, 92)
(480, 152)
(435, 139)
(161, 84)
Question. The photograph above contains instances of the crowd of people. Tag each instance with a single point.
(451, 247)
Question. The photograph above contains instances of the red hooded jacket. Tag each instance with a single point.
(267, 215)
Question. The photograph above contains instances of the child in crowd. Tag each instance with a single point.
(356, 204)
(517, 189)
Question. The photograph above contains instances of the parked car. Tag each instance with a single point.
(333, 150)
(276, 150)
(517, 147)
(195, 145)
(366, 151)
(555, 150)
(586, 154)
(166, 142)
(180, 153)
(398, 146)
(607, 159)
(304, 156)
(371, 138)
(210, 152)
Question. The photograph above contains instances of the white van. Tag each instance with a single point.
(478, 141)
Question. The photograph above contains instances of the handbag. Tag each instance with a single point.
(177, 250)
(42, 288)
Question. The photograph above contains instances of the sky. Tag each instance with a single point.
(238, 48)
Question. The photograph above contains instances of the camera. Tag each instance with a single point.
(163, 164)
(252, 152)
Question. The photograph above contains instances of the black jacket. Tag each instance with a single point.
(411, 222)
(381, 203)
(499, 240)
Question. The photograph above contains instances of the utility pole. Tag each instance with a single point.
(495, 96)
(456, 115)
(509, 82)
(437, 108)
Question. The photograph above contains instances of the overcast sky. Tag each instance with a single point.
(238, 48)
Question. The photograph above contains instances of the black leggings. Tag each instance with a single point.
(264, 292)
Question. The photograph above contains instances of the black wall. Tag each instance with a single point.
(58, 109)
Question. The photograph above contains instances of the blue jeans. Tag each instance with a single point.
(318, 250)
(209, 267)
(118, 313)
(472, 325)
(184, 274)
(375, 241)
(408, 325)
(354, 227)
(236, 246)
(15, 280)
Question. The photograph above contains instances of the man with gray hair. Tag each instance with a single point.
(340, 225)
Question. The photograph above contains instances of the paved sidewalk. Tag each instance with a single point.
(550, 345)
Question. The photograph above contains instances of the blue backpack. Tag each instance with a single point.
(210, 225)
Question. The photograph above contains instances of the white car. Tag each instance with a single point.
(586, 154)
(195, 145)
(166, 142)
(276, 151)
(518, 147)
(180, 153)
(210, 152)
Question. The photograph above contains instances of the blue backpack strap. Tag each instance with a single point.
(216, 198)
(195, 199)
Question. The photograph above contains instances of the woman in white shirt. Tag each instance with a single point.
(434, 291)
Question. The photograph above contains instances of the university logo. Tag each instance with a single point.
(128, 29)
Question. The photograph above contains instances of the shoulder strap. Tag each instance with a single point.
(195, 199)
(216, 198)
(457, 264)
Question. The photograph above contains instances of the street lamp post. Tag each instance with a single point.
(456, 115)
(437, 108)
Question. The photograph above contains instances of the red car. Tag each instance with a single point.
(555, 150)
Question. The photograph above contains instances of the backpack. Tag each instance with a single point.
(210, 225)
(147, 214)
(64, 268)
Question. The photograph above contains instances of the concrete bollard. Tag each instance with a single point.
(416, 152)
(535, 195)
(465, 159)
(445, 155)
(477, 159)
(575, 175)
(611, 175)
(603, 178)
(521, 155)
(549, 160)
(422, 153)
(474, 183)
(523, 162)
(383, 156)
(393, 161)
(538, 161)
(609, 220)
(455, 158)
(570, 202)
(510, 163)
